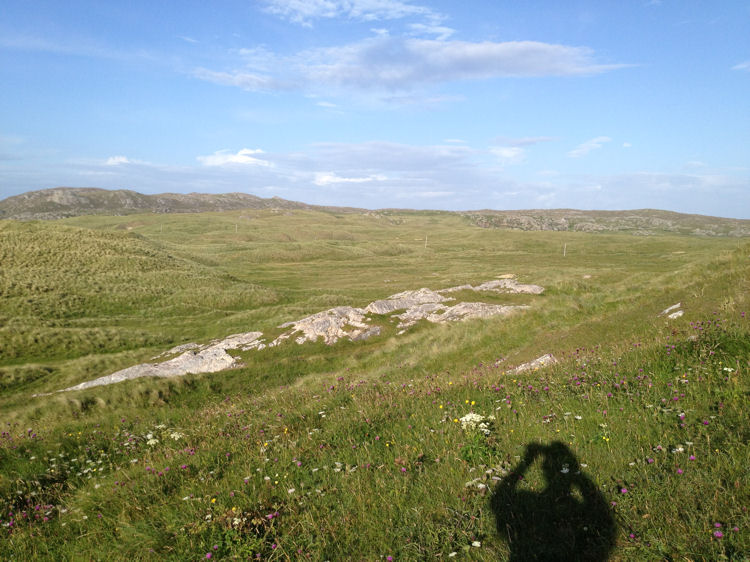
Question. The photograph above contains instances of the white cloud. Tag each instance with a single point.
(509, 154)
(424, 194)
(742, 66)
(439, 31)
(584, 148)
(400, 64)
(305, 11)
(328, 178)
(246, 156)
(116, 160)
(626, 145)
(250, 81)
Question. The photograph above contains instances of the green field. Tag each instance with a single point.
(634, 446)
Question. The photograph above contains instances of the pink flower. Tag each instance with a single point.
(623, 490)
(718, 534)
(679, 471)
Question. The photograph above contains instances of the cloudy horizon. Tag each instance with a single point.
(384, 103)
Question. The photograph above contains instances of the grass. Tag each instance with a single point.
(357, 450)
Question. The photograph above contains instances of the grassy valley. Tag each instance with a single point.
(367, 450)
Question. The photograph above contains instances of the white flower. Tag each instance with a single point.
(476, 544)
(152, 442)
(290, 491)
(578, 417)
(565, 469)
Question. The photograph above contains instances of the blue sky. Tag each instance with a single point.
(384, 103)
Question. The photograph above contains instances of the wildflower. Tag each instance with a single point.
(623, 490)
(476, 544)
(679, 471)
(718, 534)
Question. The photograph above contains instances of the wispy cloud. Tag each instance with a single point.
(250, 81)
(742, 66)
(246, 156)
(117, 161)
(400, 64)
(328, 178)
(304, 12)
(509, 154)
(584, 148)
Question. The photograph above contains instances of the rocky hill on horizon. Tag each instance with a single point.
(66, 202)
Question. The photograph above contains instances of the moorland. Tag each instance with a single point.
(425, 444)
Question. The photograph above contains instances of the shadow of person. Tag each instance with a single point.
(568, 520)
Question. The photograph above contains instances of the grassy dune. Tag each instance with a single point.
(358, 450)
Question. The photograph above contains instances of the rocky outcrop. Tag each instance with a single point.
(209, 359)
(537, 363)
(405, 300)
(440, 313)
(332, 325)
(506, 285)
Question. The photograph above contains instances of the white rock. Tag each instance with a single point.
(537, 363)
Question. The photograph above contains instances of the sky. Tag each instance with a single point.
(481, 104)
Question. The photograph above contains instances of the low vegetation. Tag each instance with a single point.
(416, 446)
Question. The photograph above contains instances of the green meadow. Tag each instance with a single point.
(634, 446)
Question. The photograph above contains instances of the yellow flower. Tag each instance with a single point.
(455, 420)
(441, 406)
(467, 401)
(472, 402)
(213, 500)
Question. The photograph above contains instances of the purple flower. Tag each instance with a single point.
(692, 457)
(679, 471)
(718, 534)
(623, 490)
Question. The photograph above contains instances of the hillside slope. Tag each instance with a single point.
(63, 202)
(67, 202)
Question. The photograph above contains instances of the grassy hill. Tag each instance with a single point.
(62, 202)
(358, 450)
(66, 202)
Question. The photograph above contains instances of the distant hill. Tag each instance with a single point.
(642, 222)
(64, 202)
